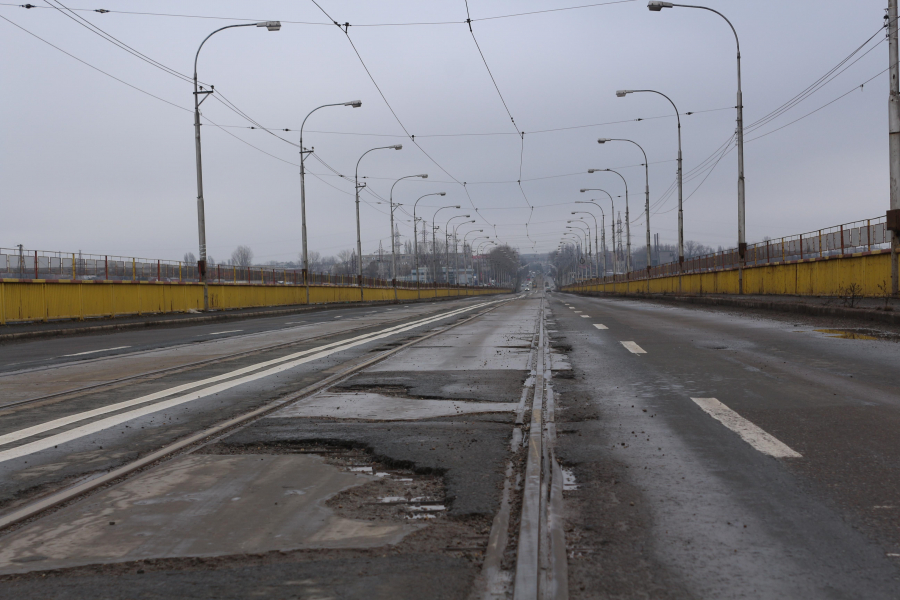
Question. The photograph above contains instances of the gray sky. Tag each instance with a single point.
(91, 164)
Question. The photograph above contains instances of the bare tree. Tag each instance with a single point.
(242, 256)
(346, 262)
(189, 258)
(315, 261)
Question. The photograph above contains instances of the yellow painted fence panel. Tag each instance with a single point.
(870, 274)
(37, 300)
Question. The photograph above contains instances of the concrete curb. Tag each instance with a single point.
(803, 308)
(211, 318)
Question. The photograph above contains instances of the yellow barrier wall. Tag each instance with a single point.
(816, 277)
(38, 300)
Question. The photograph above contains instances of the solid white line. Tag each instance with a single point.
(229, 331)
(633, 348)
(753, 435)
(308, 355)
(96, 351)
(599, 326)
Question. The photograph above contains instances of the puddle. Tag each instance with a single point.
(857, 334)
(569, 483)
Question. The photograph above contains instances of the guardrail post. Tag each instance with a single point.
(36, 265)
(842, 240)
(2, 303)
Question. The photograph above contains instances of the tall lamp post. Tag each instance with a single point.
(657, 6)
(627, 219)
(447, 234)
(596, 244)
(303, 153)
(359, 277)
(602, 230)
(393, 245)
(576, 241)
(646, 190)
(434, 229)
(622, 94)
(612, 224)
(416, 241)
(588, 242)
(201, 214)
(464, 259)
(471, 253)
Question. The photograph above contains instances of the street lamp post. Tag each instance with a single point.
(471, 254)
(201, 214)
(359, 276)
(464, 260)
(622, 94)
(416, 241)
(646, 191)
(577, 242)
(447, 243)
(588, 241)
(434, 228)
(303, 153)
(657, 6)
(602, 229)
(627, 219)
(612, 226)
(596, 227)
(455, 248)
(393, 245)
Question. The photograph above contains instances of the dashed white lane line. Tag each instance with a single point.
(96, 351)
(223, 332)
(750, 433)
(585, 316)
(633, 348)
(600, 326)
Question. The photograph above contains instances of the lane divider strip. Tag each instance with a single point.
(633, 348)
(750, 433)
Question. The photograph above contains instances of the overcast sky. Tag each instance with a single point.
(92, 164)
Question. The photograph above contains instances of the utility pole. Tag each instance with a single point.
(893, 215)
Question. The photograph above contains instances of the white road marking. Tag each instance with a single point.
(294, 322)
(633, 348)
(585, 316)
(229, 331)
(96, 351)
(287, 362)
(753, 435)
(599, 326)
(339, 316)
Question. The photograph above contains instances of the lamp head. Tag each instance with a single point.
(354, 103)
(424, 176)
(621, 93)
(398, 147)
(270, 25)
(456, 207)
(583, 190)
(603, 140)
(657, 6)
(592, 171)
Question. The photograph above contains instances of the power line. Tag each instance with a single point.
(419, 23)
(99, 70)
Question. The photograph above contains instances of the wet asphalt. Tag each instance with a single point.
(674, 504)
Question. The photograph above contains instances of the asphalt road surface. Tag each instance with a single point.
(519, 446)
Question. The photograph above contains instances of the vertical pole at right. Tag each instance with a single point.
(894, 139)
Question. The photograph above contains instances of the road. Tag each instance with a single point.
(521, 446)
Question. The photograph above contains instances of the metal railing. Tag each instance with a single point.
(869, 235)
(19, 263)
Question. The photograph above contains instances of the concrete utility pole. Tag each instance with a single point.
(303, 153)
(201, 214)
(656, 6)
(359, 276)
(893, 215)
